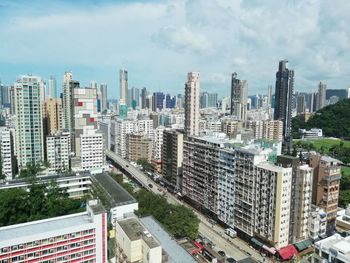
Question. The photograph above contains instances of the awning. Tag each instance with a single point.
(302, 245)
(257, 242)
(287, 252)
(271, 250)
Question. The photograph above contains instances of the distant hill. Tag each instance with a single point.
(334, 120)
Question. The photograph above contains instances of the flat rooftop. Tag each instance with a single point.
(8, 233)
(336, 242)
(176, 253)
(118, 194)
(135, 231)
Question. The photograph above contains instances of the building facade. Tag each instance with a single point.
(92, 154)
(322, 87)
(58, 150)
(284, 100)
(123, 85)
(80, 237)
(192, 90)
(239, 96)
(53, 115)
(29, 126)
(138, 146)
(6, 154)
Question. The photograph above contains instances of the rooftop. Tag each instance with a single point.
(336, 242)
(35, 228)
(135, 231)
(118, 194)
(175, 252)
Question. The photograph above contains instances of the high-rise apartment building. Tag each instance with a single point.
(68, 102)
(85, 113)
(239, 96)
(172, 156)
(79, 237)
(58, 151)
(192, 91)
(269, 96)
(53, 115)
(322, 87)
(326, 181)
(208, 175)
(143, 98)
(283, 100)
(103, 92)
(138, 146)
(29, 126)
(157, 142)
(123, 85)
(5, 95)
(268, 129)
(6, 154)
(208, 100)
(52, 88)
(301, 104)
(92, 154)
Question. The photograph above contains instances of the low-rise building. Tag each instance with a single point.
(332, 249)
(311, 134)
(79, 237)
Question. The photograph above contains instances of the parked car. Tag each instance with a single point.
(231, 260)
(150, 185)
(221, 253)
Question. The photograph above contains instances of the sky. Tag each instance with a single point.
(160, 41)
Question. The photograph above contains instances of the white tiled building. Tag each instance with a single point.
(58, 149)
(92, 153)
(157, 143)
(6, 152)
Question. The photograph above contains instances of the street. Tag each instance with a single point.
(236, 248)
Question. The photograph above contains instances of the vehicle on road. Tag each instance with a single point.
(230, 232)
(231, 260)
(127, 166)
(249, 254)
(212, 221)
(150, 185)
(222, 253)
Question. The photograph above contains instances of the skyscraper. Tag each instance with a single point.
(192, 90)
(52, 92)
(123, 84)
(321, 95)
(158, 101)
(283, 100)
(103, 91)
(143, 98)
(301, 107)
(29, 127)
(239, 96)
(53, 115)
(269, 96)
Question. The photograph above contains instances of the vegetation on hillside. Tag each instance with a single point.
(39, 202)
(334, 120)
(344, 195)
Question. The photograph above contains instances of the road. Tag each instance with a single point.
(235, 247)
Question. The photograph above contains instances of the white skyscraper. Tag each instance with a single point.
(192, 90)
(321, 95)
(6, 153)
(29, 130)
(123, 85)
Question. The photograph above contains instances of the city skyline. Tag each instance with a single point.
(176, 39)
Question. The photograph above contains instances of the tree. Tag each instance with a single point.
(31, 170)
(145, 164)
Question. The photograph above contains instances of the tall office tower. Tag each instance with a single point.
(149, 101)
(170, 101)
(138, 146)
(212, 100)
(53, 115)
(123, 85)
(81, 237)
(325, 186)
(301, 195)
(321, 95)
(283, 101)
(52, 92)
(208, 175)
(192, 91)
(6, 154)
(239, 96)
(269, 96)
(58, 151)
(143, 98)
(93, 84)
(85, 113)
(129, 98)
(92, 154)
(180, 101)
(172, 156)
(158, 101)
(5, 95)
(29, 127)
(103, 92)
(301, 105)
(157, 142)
(203, 100)
(135, 97)
(312, 102)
